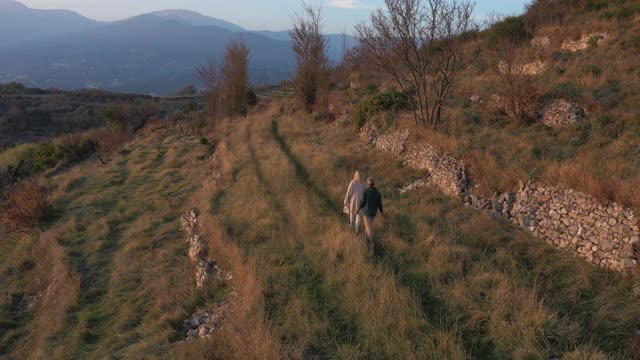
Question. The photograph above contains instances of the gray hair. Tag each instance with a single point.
(371, 181)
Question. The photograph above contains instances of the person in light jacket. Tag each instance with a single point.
(352, 200)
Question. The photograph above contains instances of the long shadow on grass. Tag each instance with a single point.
(402, 225)
(302, 172)
(302, 277)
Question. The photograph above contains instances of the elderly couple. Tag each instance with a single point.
(362, 203)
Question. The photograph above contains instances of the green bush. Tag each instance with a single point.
(388, 101)
(608, 127)
(570, 91)
(39, 157)
(252, 98)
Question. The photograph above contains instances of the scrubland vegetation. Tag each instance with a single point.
(598, 155)
(100, 268)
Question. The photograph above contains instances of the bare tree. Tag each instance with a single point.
(310, 48)
(423, 48)
(517, 91)
(211, 79)
(235, 78)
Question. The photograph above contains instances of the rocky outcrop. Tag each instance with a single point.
(593, 39)
(447, 173)
(541, 41)
(533, 68)
(605, 235)
(561, 113)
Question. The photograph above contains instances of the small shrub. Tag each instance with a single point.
(110, 140)
(130, 117)
(513, 28)
(609, 95)
(252, 98)
(24, 207)
(593, 70)
(594, 40)
(190, 107)
(633, 42)
(608, 127)
(570, 91)
(371, 88)
(388, 101)
(559, 70)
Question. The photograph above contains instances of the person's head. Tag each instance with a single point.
(371, 182)
(359, 176)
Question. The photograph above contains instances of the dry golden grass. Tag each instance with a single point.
(485, 289)
(445, 282)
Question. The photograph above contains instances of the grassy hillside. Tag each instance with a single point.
(109, 277)
(598, 155)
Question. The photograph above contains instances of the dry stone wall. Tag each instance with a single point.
(206, 267)
(203, 324)
(569, 219)
(447, 173)
(605, 235)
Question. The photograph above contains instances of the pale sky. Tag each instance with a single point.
(339, 15)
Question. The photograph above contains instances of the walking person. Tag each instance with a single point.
(371, 203)
(352, 200)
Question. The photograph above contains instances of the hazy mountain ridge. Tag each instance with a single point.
(149, 53)
(196, 19)
(20, 24)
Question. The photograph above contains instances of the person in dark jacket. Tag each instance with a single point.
(369, 206)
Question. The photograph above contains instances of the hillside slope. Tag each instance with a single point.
(445, 281)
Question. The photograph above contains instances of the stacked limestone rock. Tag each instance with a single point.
(203, 324)
(394, 143)
(604, 235)
(561, 113)
(607, 236)
(198, 250)
(420, 183)
(446, 172)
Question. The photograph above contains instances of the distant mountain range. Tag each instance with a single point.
(151, 53)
